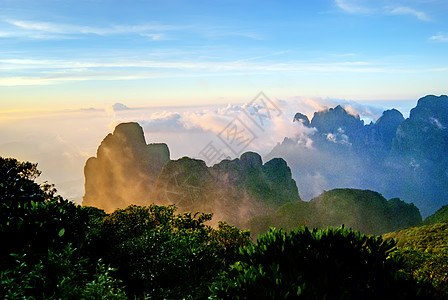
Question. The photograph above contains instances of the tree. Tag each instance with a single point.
(46, 240)
(159, 254)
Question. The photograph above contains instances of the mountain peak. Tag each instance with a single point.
(251, 160)
(390, 117)
(301, 118)
(431, 107)
(333, 119)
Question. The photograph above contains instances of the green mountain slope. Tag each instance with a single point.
(439, 216)
(363, 210)
(428, 238)
(424, 251)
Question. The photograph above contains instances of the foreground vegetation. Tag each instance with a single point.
(424, 251)
(55, 249)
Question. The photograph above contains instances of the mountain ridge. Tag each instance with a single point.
(398, 157)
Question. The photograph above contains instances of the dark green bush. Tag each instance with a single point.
(162, 255)
(317, 264)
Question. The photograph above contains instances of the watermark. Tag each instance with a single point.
(261, 108)
(237, 136)
(232, 140)
(212, 153)
(181, 191)
(241, 132)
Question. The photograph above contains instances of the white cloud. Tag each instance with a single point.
(164, 121)
(352, 6)
(338, 138)
(119, 107)
(404, 10)
(440, 38)
(154, 36)
(309, 106)
(374, 6)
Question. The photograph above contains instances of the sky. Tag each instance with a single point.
(184, 69)
(62, 54)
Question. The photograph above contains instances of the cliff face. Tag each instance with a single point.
(233, 190)
(425, 133)
(124, 170)
(127, 171)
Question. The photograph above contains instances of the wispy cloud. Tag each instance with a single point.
(439, 38)
(154, 36)
(43, 72)
(369, 6)
(218, 32)
(352, 6)
(38, 72)
(49, 29)
(404, 10)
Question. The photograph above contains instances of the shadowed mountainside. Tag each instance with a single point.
(439, 216)
(362, 210)
(396, 157)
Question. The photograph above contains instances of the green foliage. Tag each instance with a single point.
(317, 264)
(46, 240)
(431, 267)
(162, 255)
(104, 286)
(17, 183)
(58, 276)
(230, 239)
(33, 219)
(427, 238)
(424, 251)
(20, 281)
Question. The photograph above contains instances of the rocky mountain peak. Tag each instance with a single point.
(431, 107)
(389, 118)
(125, 166)
(333, 119)
(251, 160)
(301, 118)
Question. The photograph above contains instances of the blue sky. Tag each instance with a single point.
(68, 54)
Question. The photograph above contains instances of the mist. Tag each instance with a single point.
(62, 141)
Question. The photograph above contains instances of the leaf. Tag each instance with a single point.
(61, 232)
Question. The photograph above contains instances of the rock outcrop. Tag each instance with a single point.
(124, 170)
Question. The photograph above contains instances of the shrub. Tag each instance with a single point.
(317, 264)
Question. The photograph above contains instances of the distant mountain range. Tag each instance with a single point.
(405, 158)
(399, 158)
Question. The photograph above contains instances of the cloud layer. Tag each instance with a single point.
(61, 141)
